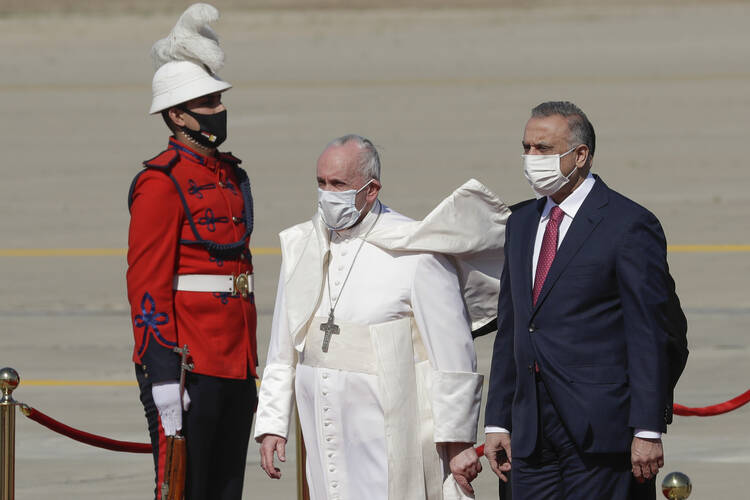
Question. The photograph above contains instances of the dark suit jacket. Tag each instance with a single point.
(599, 330)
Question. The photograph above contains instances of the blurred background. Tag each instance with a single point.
(444, 88)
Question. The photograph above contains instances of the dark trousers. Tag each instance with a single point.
(505, 491)
(217, 431)
(642, 491)
(557, 470)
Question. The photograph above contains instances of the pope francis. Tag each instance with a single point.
(372, 335)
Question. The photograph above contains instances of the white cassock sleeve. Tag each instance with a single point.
(440, 314)
(276, 393)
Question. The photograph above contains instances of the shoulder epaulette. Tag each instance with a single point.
(229, 158)
(164, 160)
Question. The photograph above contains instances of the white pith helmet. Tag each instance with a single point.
(187, 60)
(180, 81)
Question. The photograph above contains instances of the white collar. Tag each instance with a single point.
(361, 228)
(573, 202)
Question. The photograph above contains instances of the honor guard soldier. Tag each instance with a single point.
(190, 280)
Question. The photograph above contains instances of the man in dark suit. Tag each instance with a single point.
(580, 377)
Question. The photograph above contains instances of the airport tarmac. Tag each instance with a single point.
(445, 92)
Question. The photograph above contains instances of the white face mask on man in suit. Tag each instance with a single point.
(544, 174)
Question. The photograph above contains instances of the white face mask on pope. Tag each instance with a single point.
(338, 208)
(544, 174)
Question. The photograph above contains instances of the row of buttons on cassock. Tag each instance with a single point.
(338, 274)
(329, 435)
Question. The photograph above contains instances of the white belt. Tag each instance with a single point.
(241, 284)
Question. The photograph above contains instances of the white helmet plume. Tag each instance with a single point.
(192, 39)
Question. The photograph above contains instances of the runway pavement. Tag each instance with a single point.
(445, 93)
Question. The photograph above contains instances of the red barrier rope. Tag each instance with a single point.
(130, 447)
(84, 437)
(708, 411)
(705, 411)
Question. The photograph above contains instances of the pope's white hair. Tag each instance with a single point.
(191, 39)
(368, 160)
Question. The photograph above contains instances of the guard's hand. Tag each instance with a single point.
(166, 397)
(185, 400)
(272, 443)
(464, 464)
(647, 457)
(497, 451)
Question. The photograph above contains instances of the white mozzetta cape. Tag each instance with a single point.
(371, 435)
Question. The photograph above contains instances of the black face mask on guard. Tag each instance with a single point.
(213, 128)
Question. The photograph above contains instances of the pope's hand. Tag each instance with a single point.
(464, 464)
(497, 451)
(647, 457)
(269, 444)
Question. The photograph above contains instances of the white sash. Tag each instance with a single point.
(350, 350)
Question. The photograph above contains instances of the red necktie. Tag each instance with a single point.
(548, 251)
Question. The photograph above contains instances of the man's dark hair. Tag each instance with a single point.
(581, 130)
(172, 125)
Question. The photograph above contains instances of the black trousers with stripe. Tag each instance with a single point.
(217, 431)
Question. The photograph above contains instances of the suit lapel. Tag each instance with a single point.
(584, 223)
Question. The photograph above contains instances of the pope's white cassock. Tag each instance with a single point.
(400, 374)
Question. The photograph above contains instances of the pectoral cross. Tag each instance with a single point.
(329, 328)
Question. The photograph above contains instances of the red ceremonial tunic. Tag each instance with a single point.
(190, 214)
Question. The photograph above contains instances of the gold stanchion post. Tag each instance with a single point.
(676, 486)
(303, 492)
(9, 380)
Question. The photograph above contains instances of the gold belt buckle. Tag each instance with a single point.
(242, 285)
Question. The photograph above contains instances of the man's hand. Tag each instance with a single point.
(497, 451)
(464, 464)
(647, 457)
(166, 396)
(271, 443)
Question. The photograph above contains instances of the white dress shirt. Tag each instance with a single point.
(570, 207)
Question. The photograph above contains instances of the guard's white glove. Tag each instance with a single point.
(167, 400)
